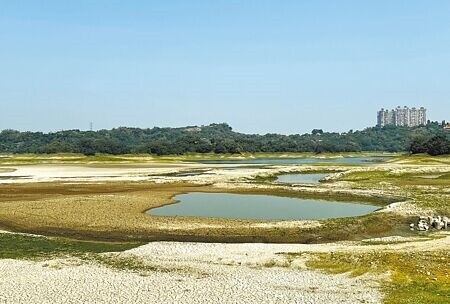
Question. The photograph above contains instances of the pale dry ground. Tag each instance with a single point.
(200, 273)
(206, 174)
(109, 201)
(29, 282)
(258, 254)
(216, 175)
(78, 173)
(154, 172)
(190, 272)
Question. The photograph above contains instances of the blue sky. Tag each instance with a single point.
(262, 66)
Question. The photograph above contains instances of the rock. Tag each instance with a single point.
(436, 222)
(422, 226)
(445, 220)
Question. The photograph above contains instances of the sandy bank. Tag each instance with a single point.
(192, 273)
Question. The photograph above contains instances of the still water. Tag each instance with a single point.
(259, 207)
(292, 161)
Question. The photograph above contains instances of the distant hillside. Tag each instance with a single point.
(217, 138)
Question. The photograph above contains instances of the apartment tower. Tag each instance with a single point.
(408, 117)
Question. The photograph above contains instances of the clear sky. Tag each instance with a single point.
(262, 66)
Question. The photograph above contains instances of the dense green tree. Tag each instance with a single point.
(220, 138)
(438, 145)
(86, 147)
(419, 145)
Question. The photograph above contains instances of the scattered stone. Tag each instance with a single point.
(425, 223)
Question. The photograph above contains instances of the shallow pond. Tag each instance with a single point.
(292, 161)
(304, 178)
(258, 207)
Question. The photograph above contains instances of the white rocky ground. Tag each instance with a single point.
(75, 173)
(216, 174)
(191, 273)
(200, 273)
(156, 172)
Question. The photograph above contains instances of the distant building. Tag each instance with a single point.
(446, 126)
(402, 117)
(386, 117)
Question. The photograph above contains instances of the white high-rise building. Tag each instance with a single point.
(386, 117)
(414, 117)
(402, 117)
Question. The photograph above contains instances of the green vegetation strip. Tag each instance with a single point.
(221, 139)
(427, 193)
(18, 246)
(414, 277)
(39, 248)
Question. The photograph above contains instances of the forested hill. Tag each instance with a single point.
(218, 138)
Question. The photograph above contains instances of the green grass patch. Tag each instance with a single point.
(36, 248)
(415, 277)
(426, 193)
(423, 159)
(17, 246)
(124, 263)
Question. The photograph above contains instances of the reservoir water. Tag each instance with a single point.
(293, 161)
(304, 178)
(259, 207)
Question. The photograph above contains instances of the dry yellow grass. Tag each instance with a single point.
(116, 211)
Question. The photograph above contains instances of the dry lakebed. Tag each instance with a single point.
(279, 229)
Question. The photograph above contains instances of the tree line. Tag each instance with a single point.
(437, 145)
(220, 138)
